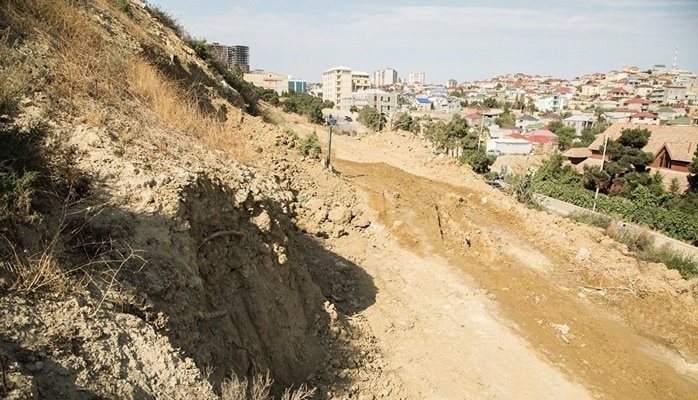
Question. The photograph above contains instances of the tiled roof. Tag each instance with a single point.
(577, 152)
(661, 134)
(681, 151)
(637, 100)
(643, 114)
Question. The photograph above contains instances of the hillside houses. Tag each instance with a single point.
(673, 148)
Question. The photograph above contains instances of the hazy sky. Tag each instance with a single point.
(464, 40)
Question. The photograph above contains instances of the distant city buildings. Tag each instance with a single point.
(416, 77)
(385, 77)
(233, 56)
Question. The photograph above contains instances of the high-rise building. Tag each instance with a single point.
(385, 77)
(416, 77)
(336, 87)
(221, 51)
(233, 56)
(239, 56)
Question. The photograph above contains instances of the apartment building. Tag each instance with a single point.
(382, 101)
(336, 87)
(416, 77)
(233, 56)
(385, 77)
(360, 81)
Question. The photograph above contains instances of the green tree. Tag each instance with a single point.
(505, 118)
(372, 119)
(626, 157)
(307, 105)
(490, 102)
(407, 122)
(693, 175)
(565, 134)
(478, 160)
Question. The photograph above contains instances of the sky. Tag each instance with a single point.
(463, 40)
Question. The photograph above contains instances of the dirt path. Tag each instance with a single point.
(479, 297)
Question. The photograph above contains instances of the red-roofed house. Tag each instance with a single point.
(541, 138)
(644, 118)
(618, 93)
(637, 104)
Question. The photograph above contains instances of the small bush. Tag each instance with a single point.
(21, 163)
(637, 240)
(124, 6)
(686, 265)
(520, 187)
(478, 160)
(310, 146)
(9, 104)
(590, 218)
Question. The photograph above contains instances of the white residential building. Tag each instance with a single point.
(382, 101)
(416, 77)
(579, 122)
(553, 102)
(509, 146)
(336, 87)
(385, 77)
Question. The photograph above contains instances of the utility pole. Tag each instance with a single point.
(603, 159)
(330, 121)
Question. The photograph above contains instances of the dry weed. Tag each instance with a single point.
(259, 388)
(85, 63)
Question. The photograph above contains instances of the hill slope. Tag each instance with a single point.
(153, 232)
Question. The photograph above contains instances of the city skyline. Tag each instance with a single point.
(449, 39)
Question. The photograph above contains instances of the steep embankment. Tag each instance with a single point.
(161, 260)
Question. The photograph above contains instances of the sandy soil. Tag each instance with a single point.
(479, 297)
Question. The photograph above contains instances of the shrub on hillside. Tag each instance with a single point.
(309, 146)
(478, 160)
(589, 218)
(165, 18)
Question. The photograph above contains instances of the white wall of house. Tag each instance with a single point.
(550, 103)
(382, 101)
(510, 146)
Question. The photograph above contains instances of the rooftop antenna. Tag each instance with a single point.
(676, 58)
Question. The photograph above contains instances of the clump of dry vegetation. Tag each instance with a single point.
(641, 243)
(258, 388)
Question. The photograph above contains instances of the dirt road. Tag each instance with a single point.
(481, 298)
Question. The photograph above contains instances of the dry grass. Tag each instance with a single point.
(178, 110)
(85, 63)
(258, 388)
